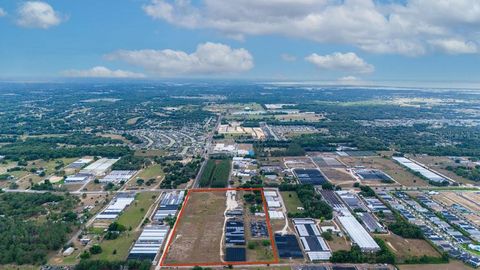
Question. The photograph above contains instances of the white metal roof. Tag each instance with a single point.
(357, 233)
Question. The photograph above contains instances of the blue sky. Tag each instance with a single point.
(345, 41)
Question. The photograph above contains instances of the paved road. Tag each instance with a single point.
(206, 151)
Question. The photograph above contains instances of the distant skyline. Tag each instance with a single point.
(365, 42)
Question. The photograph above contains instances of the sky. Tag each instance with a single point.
(344, 41)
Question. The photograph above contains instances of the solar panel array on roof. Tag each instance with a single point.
(310, 176)
(169, 204)
(313, 244)
(235, 254)
(287, 246)
(234, 232)
(372, 175)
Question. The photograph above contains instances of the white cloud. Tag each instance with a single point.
(287, 57)
(209, 58)
(374, 26)
(345, 62)
(102, 72)
(37, 14)
(2, 12)
(454, 46)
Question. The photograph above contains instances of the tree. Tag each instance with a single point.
(95, 249)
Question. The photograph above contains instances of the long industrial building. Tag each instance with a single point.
(149, 243)
(313, 244)
(358, 234)
(99, 167)
(169, 204)
(414, 166)
(116, 206)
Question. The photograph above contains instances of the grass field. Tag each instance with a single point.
(198, 233)
(216, 173)
(154, 171)
(452, 265)
(291, 200)
(439, 163)
(408, 248)
(131, 217)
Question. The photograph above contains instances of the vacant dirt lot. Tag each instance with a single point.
(198, 234)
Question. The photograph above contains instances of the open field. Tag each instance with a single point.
(154, 171)
(408, 248)
(132, 217)
(338, 176)
(396, 171)
(307, 117)
(452, 265)
(291, 200)
(299, 162)
(198, 234)
(216, 173)
(149, 153)
(438, 163)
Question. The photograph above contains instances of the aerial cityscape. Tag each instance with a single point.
(268, 134)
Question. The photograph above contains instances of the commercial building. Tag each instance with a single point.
(287, 246)
(149, 243)
(234, 232)
(79, 178)
(169, 204)
(99, 167)
(415, 166)
(116, 206)
(310, 176)
(79, 163)
(358, 234)
(118, 176)
(313, 244)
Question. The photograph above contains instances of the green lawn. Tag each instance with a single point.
(291, 200)
(131, 217)
(151, 172)
(134, 214)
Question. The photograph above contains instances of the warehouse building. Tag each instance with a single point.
(310, 176)
(118, 176)
(99, 167)
(234, 232)
(79, 163)
(169, 204)
(116, 206)
(79, 178)
(414, 166)
(358, 234)
(288, 247)
(149, 243)
(313, 244)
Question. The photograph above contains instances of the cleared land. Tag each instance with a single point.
(198, 233)
(396, 171)
(408, 248)
(439, 163)
(452, 265)
(291, 200)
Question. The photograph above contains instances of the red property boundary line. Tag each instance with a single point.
(185, 203)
